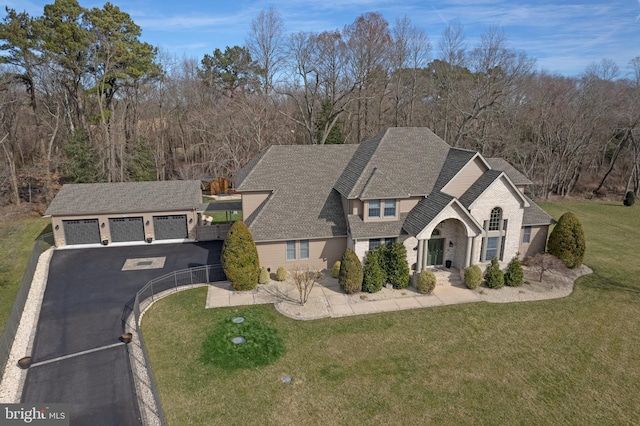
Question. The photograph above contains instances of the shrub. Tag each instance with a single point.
(514, 277)
(264, 276)
(335, 271)
(350, 278)
(493, 276)
(239, 258)
(397, 268)
(281, 274)
(567, 242)
(374, 276)
(426, 282)
(629, 198)
(473, 276)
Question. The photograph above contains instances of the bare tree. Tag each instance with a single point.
(305, 279)
(266, 43)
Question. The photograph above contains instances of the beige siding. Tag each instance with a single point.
(407, 204)
(323, 253)
(251, 201)
(538, 242)
(356, 207)
(105, 233)
(465, 178)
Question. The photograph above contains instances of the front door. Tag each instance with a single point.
(435, 251)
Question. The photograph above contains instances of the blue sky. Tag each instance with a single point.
(563, 36)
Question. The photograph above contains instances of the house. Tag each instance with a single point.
(306, 204)
(125, 212)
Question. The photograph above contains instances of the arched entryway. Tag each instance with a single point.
(448, 244)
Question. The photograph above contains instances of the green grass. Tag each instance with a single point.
(261, 345)
(222, 217)
(17, 238)
(566, 361)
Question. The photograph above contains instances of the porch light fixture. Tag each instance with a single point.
(147, 223)
(57, 227)
(450, 243)
(191, 220)
(102, 226)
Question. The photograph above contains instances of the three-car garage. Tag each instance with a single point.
(113, 213)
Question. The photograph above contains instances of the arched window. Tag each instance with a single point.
(496, 217)
(494, 239)
(435, 233)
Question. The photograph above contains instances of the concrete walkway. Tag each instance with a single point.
(328, 300)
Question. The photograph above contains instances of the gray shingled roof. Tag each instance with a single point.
(241, 174)
(479, 186)
(378, 229)
(456, 159)
(126, 197)
(303, 204)
(516, 177)
(534, 215)
(380, 185)
(425, 211)
(411, 156)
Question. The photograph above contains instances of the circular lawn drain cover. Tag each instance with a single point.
(238, 320)
(286, 379)
(238, 340)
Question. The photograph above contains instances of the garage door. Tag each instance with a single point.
(126, 229)
(82, 231)
(170, 227)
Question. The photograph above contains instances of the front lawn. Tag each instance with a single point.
(567, 361)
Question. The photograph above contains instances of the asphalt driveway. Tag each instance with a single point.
(80, 321)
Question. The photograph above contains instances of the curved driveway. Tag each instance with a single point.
(77, 357)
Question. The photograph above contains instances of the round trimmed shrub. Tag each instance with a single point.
(567, 241)
(335, 271)
(473, 276)
(239, 258)
(373, 276)
(281, 274)
(426, 282)
(351, 274)
(514, 277)
(264, 276)
(629, 198)
(493, 276)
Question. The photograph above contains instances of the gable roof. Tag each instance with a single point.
(481, 185)
(516, 177)
(380, 186)
(126, 197)
(425, 211)
(456, 159)
(388, 152)
(303, 203)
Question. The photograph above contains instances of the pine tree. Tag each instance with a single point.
(567, 241)
(351, 274)
(374, 276)
(239, 258)
(514, 277)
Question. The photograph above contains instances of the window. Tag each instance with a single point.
(492, 248)
(304, 249)
(389, 208)
(291, 250)
(494, 222)
(495, 236)
(526, 235)
(374, 208)
(374, 243)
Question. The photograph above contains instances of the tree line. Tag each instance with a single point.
(82, 99)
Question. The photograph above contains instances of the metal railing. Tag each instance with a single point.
(154, 289)
(43, 243)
